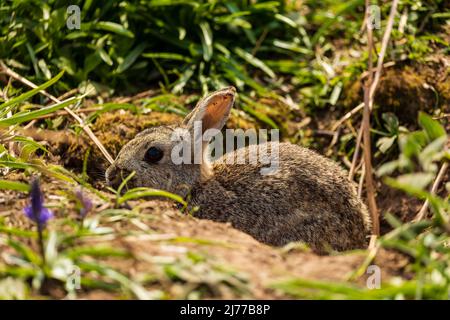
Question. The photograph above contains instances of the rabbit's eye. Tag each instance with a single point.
(153, 155)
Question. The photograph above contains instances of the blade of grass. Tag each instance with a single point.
(83, 125)
(32, 92)
(13, 185)
(147, 192)
(22, 117)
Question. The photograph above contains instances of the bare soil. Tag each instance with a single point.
(164, 233)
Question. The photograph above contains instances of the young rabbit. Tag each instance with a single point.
(308, 198)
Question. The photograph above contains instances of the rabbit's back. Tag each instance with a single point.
(308, 198)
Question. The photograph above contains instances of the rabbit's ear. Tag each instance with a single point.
(213, 110)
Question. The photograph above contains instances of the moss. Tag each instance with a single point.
(404, 92)
(113, 130)
(116, 129)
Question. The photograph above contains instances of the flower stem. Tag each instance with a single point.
(41, 244)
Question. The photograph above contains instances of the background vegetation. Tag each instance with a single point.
(298, 66)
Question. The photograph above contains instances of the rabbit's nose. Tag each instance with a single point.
(114, 176)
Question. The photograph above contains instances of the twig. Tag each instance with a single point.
(143, 94)
(68, 94)
(64, 96)
(373, 244)
(367, 154)
(41, 243)
(423, 211)
(83, 125)
(365, 127)
(351, 173)
(384, 44)
(363, 24)
(64, 112)
(347, 116)
(360, 106)
(372, 252)
(361, 181)
(445, 115)
(425, 20)
(385, 65)
(379, 68)
(260, 41)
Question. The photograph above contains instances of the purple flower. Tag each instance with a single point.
(85, 203)
(36, 210)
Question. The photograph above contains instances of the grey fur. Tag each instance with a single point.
(308, 199)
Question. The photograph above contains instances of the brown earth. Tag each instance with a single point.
(161, 236)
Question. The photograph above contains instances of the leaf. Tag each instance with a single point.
(157, 3)
(432, 127)
(98, 252)
(27, 116)
(235, 19)
(137, 193)
(434, 151)
(254, 61)
(290, 46)
(139, 291)
(387, 168)
(27, 253)
(346, 6)
(32, 92)
(260, 116)
(184, 78)
(336, 93)
(443, 15)
(110, 106)
(436, 203)
(115, 28)
(43, 66)
(105, 57)
(91, 62)
(15, 164)
(252, 111)
(391, 122)
(131, 58)
(207, 40)
(385, 143)
(14, 185)
(51, 247)
(166, 55)
(33, 58)
(412, 143)
(125, 181)
(18, 232)
(29, 146)
(418, 180)
(233, 71)
(286, 20)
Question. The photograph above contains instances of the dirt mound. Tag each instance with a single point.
(406, 90)
(174, 252)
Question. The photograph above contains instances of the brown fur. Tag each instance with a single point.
(308, 199)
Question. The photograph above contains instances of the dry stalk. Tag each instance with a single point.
(365, 128)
